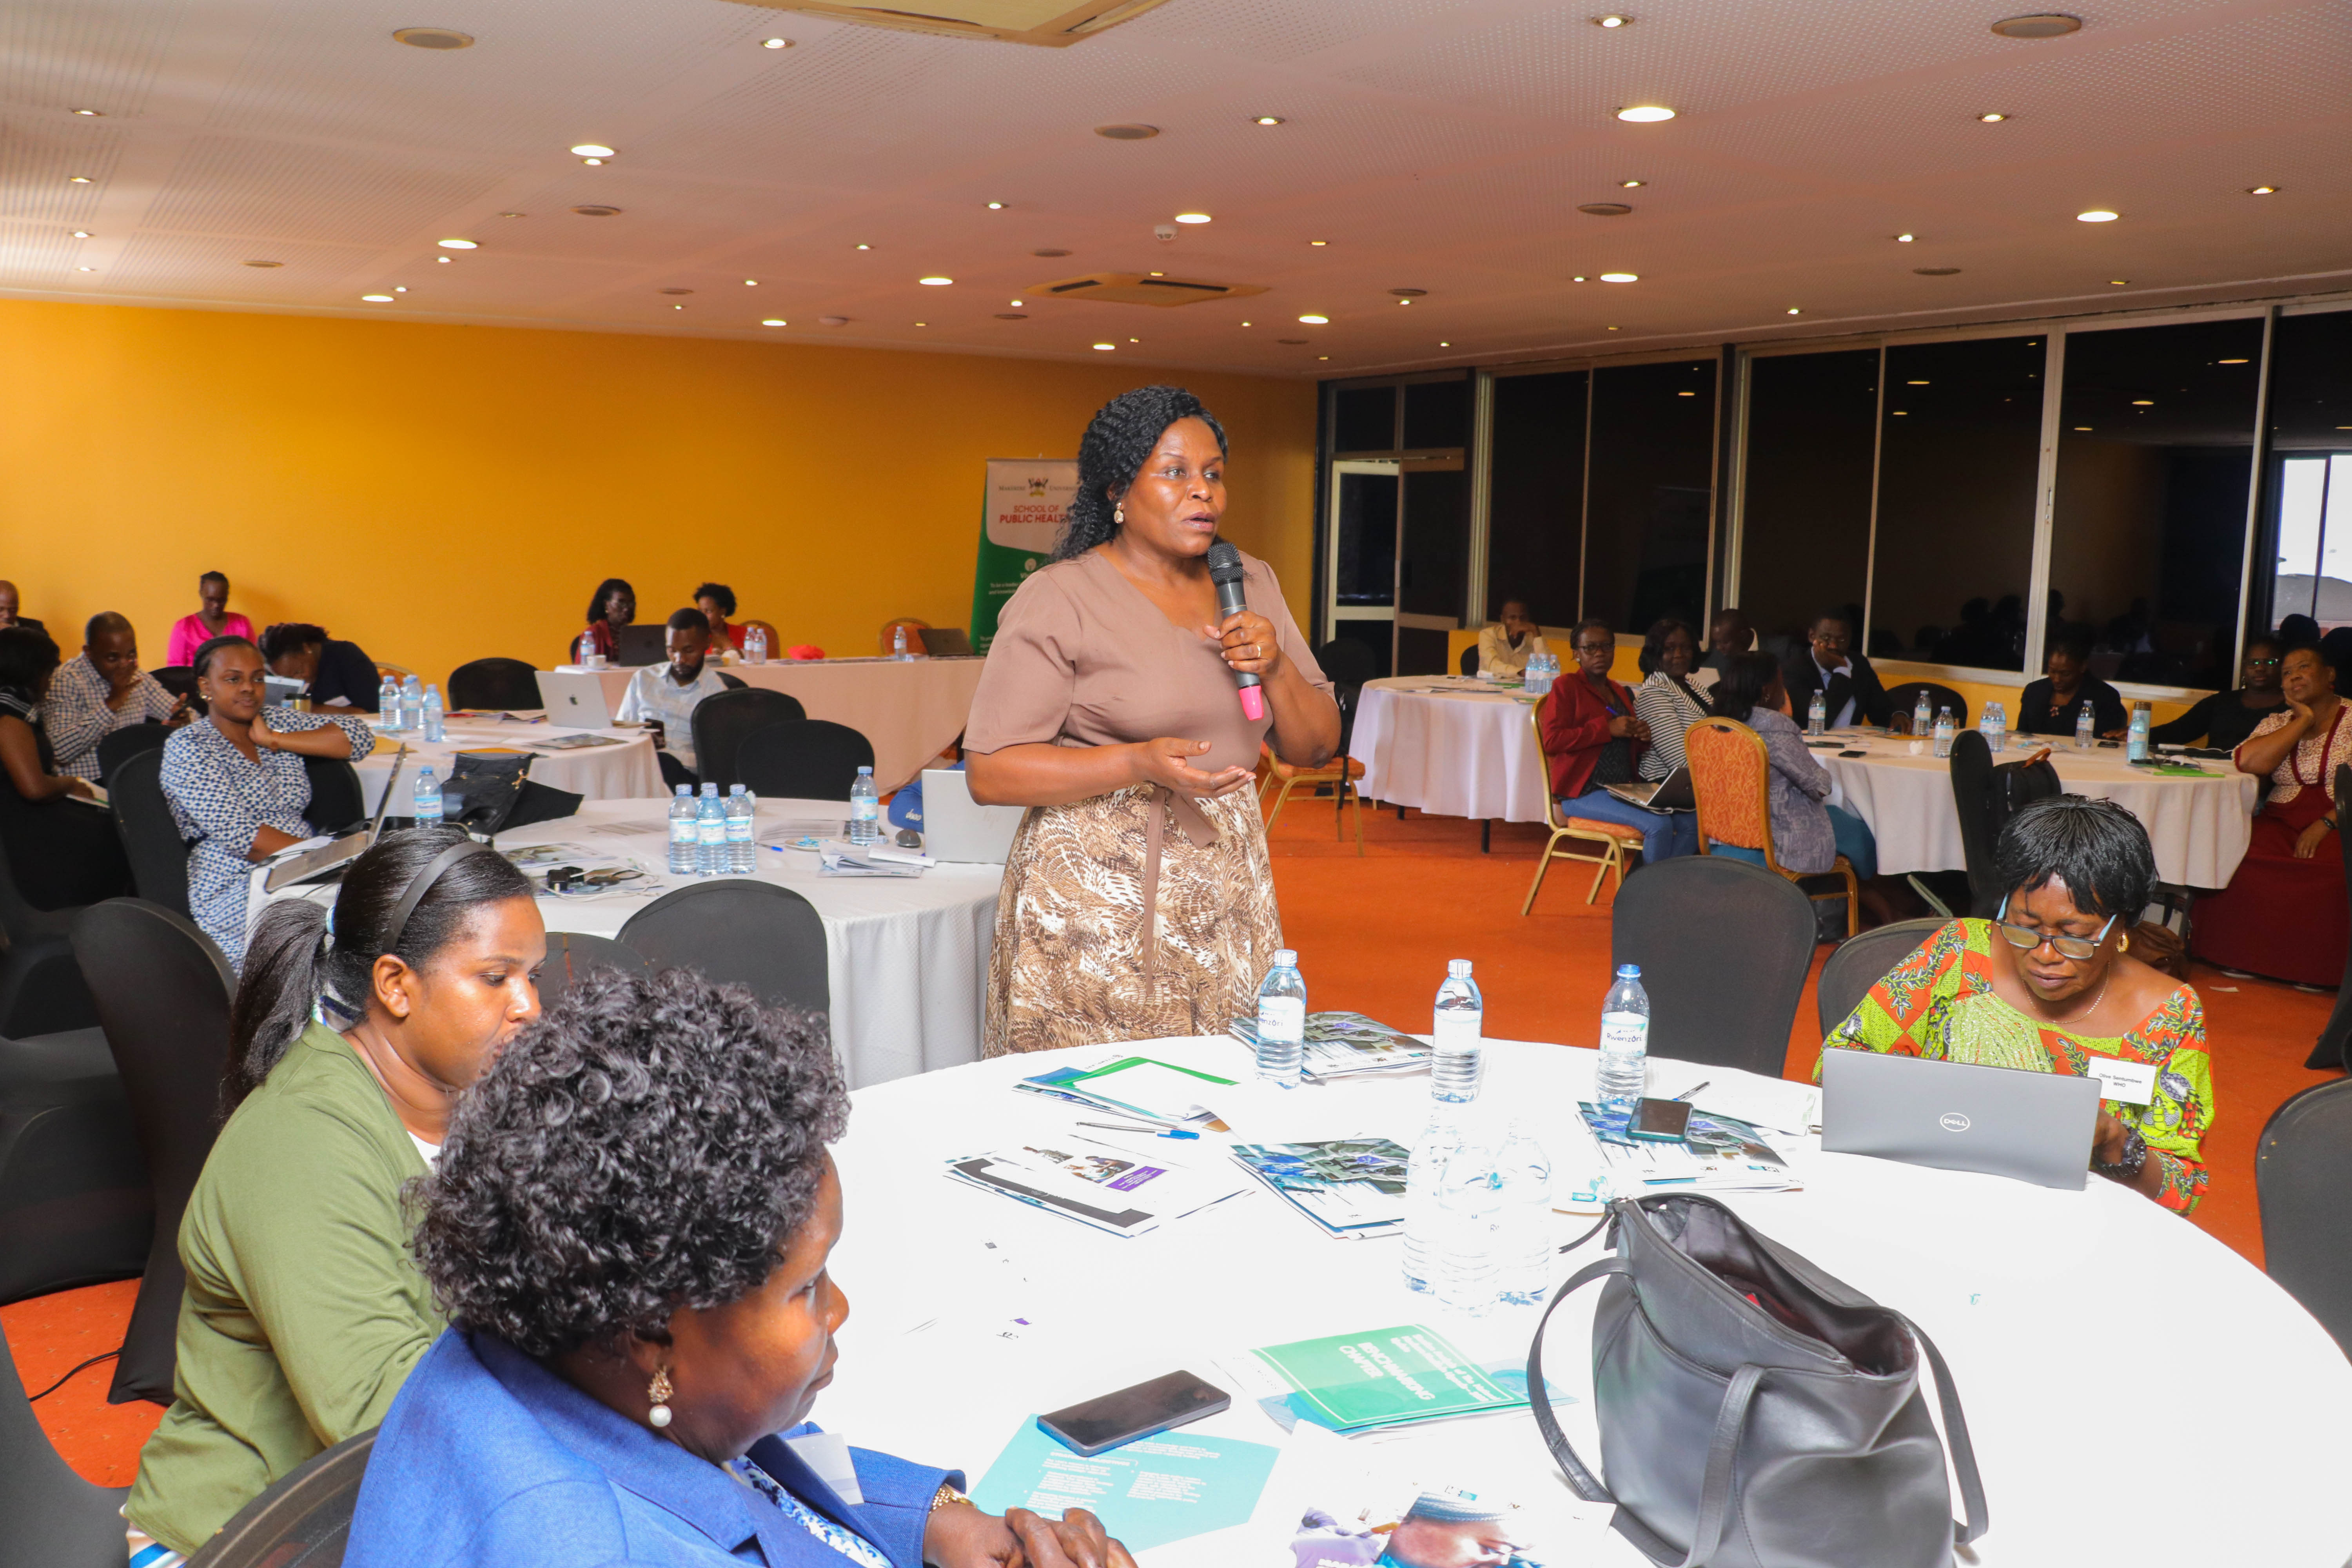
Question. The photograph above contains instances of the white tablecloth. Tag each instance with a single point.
(911, 710)
(905, 958)
(2199, 827)
(2124, 1376)
(625, 772)
(1465, 750)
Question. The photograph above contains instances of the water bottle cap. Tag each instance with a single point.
(1283, 958)
(684, 791)
(1457, 968)
(865, 772)
(423, 774)
(1629, 972)
(737, 789)
(711, 789)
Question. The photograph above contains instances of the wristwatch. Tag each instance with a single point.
(2127, 1168)
(944, 1496)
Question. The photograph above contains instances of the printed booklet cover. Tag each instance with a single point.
(1348, 1187)
(1096, 1184)
(1379, 1378)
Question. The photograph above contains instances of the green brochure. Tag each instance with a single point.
(1349, 1382)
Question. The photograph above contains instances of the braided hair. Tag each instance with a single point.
(1118, 443)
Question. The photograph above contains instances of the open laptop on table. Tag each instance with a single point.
(2033, 1126)
(958, 827)
(575, 698)
(635, 645)
(329, 857)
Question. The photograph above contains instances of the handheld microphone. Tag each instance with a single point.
(1226, 571)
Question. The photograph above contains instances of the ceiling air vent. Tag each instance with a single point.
(1141, 289)
(1051, 24)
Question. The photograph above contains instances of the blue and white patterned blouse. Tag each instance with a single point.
(220, 801)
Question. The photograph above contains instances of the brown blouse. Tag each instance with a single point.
(1082, 659)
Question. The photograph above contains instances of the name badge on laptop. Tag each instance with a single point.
(2127, 1083)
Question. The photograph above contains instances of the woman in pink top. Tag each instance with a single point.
(190, 633)
(1137, 900)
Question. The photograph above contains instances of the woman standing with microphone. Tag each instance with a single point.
(1137, 900)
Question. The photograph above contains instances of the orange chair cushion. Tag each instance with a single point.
(1727, 775)
(1593, 827)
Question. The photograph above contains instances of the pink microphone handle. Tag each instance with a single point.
(1253, 702)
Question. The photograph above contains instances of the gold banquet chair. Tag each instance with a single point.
(1731, 777)
(1341, 772)
(1613, 838)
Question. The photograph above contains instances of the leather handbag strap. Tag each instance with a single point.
(1956, 1432)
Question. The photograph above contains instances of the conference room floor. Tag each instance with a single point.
(1371, 934)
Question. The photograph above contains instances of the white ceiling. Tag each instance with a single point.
(1436, 144)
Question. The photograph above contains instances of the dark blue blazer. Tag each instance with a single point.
(488, 1458)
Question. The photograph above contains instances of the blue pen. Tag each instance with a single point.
(1114, 1127)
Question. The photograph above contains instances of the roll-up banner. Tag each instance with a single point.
(1021, 516)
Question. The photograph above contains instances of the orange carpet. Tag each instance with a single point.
(1372, 937)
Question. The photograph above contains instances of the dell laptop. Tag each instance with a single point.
(2033, 1126)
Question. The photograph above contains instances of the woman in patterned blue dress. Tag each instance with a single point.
(237, 785)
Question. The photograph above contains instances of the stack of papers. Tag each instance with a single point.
(1346, 1045)
(1098, 1184)
(1382, 1378)
(1136, 1088)
(1717, 1154)
(1351, 1187)
(839, 857)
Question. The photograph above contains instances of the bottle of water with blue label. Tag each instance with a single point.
(1470, 1225)
(898, 643)
(1423, 1217)
(1945, 731)
(412, 705)
(1536, 681)
(683, 836)
(739, 824)
(1281, 1021)
(755, 645)
(709, 834)
(1920, 716)
(2136, 737)
(1817, 715)
(1456, 1032)
(427, 806)
(433, 714)
(2086, 728)
(1624, 1072)
(1994, 727)
(387, 705)
(1526, 1262)
(864, 809)
(584, 654)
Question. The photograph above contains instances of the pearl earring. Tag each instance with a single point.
(1118, 516)
(658, 1391)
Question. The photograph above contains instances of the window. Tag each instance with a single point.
(1959, 460)
(1805, 516)
(1363, 419)
(1434, 575)
(2311, 484)
(1651, 490)
(1535, 506)
(2155, 456)
(1436, 414)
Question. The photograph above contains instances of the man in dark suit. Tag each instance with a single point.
(1826, 665)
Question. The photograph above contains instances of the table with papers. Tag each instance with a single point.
(613, 764)
(2046, 1303)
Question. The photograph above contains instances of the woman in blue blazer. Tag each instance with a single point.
(629, 1229)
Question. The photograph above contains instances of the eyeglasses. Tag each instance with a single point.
(2028, 938)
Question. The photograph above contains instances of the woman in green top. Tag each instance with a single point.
(304, 1310)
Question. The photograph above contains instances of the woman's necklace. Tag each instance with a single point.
(2078, 1018)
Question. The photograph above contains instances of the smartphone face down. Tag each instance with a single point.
(1095, 1424)
(1664, 1119)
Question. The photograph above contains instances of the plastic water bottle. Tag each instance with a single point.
(898, 642)
(1817, 715)
(709, 834)
(1536, 679)
(1422, 1218)
(387, 705)
(755, 645)
(683, 835)
(432, 714)
(412, 705)
(864, 809)
(1920, 716)
(1944, 730)
(1281, 1021)
(586, 653)
(1457, 1056)
(1624, 1072)
(427, 809)
(1994, 727)
(1469, 1221)
(739, 824)
(2087, 732)
(1526, 1262)
(2136, 738)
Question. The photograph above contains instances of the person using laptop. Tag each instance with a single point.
(1593, 738)
(663, 697)
(612, 606)
(2049, 985)
(339, 674)
(1668, 699)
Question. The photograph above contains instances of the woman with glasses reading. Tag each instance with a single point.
(2050, 986)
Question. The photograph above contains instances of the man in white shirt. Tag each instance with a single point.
(665, 696)
(101, 690)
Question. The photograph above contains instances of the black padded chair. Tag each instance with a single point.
(179, 680)
(1468, 663)
(151, 838)
(570, 955)
(128, 743)
(506, 683)
(1986, 795)
(1723, 947)
(54, 1519)
(302, 1521)
(740, 932)
(2330, 1052)
(41, 992)
(163, 993)
(337, 801)
(733, 682)
(721, 723)
(803, 759)
(2302, 1168)
(74, 1199)
(1863, 960)
(1902, 699)
(1347, 664)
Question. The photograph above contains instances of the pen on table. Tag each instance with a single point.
(1695, 1089)
(1149, 1132)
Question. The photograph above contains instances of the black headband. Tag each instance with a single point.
(422, 884)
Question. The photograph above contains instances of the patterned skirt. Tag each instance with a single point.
(1068, 966)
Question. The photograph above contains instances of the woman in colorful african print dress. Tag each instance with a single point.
(2049, 983)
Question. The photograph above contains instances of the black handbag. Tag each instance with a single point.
(1755, 1412)
(489, 792)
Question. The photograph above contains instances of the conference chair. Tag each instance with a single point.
(570, 955)
(41, 992)
(53, 1518)
(731, 682)
(1347, 664)
(1339, 775)
(721, 721)
(1858, 963)
(337, 801)
(2303, 1167)
(2330, 1050)
(1723, 947)
(741, 932)
(802, 759)
(1731, 777)
(151, 838)
(179, 680)
(1469, 662)
(163, 991)
(74, 1199)
(1986, 795)
(302, 1521)
(500, 683)
(1617, 840)
(915, 630)
(127, 742)
(1902, 699)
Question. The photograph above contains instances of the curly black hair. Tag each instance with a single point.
(650, 1143)
(2097, 848)
(1118, 443)
(718, 593)
(27, 658)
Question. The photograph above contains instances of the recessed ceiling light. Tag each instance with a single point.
(1645, 113)
(681, 308)
(1135, 340)
(775, 43)
(1405, 301)
(593, 150)
(1904, 238)
(458, 244)
(833, 320)
(399, 288)
(1915, 384)
(377, 298)
(1620, 278)
(1611, 20)
(1444, 345)
(2096, 215)
(1685, 395)
(1050, 252)
(445, 261)
(1898, 413)
(676, 291)
(1604, 209)
(1128, 132)
(1268, 120)
(1794, 312)
(1314, 321)
(85, 269)
(1936, 271)
(514, 215)
(922, 323)
(434, 37)
(862, 246)
(1992, 117)
(2120, 282)
(1632, 185)
(2229, 361)
(91, 113)
(597, 212)
(2084, 429)
(1409, 293)
(1318, 242)
(935, 282)
(1577, 280)
(750, 283)
(1607, 329)
(1106, 347)
(265, 264)
(1011, 315)
(1015, 303)
(1322, 356)
(1160, 275)
(1244, 323)
(2261, 190)
(996, 206)
(81, 234)
(78, 179)
(2038, 25)
(2143, 403)
(593, 162)
(1192, 218)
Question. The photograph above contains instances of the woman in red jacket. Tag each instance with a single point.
(1592, 737)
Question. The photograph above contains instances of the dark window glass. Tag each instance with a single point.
(1436, 577)
(2310, 526)
(1535, 506)
(2155, 452)
(1364, 419)
(1368, 536)
(1652, 489)
(1960, 454)
(1804, 542)
(1436, 413)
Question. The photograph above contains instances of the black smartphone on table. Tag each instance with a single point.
(1095, 1424)
(1660, 1120)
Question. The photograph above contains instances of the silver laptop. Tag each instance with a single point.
(957, 827)
(575, 698)
(312, 864)
(2033, 1126)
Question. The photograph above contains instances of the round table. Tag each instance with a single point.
(624, 772)
(1450, 746)
(2198, 826)
(2123, 1373)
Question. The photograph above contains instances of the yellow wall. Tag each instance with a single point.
(440, 493)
